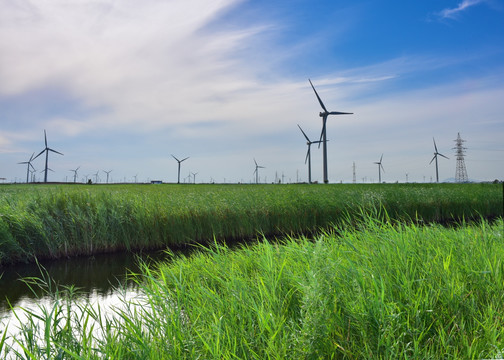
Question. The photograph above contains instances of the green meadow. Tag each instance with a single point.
(53, 221)
(366, 289)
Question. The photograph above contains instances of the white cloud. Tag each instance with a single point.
(138, 60)
(464, 5)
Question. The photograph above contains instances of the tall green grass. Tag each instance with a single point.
(381, 290)
(51, 221)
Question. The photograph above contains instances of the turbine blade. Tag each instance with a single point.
(382, 167)
(40, 153)
(31, 157)
(255, 162)
(45, 138)
(433, 158)
(57, 152)
(381, 158)
(304, 133)
(443, 156)
(175, 158)
(184, 159)
(307, 155)
(435, 147)
(324, 121)
(339, 113)
(318, 97)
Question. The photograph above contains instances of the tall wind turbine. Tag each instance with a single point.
(179, 161)
(256, 172)
(75, 173)
(323, 135)
(380, 168)
(308, 153)
(436, 153)
(28, 167)
(47, 149)
(107, 172)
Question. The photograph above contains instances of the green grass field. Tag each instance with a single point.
(369, 289)
(52, 221)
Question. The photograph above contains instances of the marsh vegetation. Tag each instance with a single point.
(376, 278)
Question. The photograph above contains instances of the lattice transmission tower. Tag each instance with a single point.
(461, 171)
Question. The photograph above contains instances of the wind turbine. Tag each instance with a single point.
(256, 172)
(308, 153)
(75, 173)
(33, 174)
(107, 172)
(28, 167)
(47, 149)
(436, 153)
(323, 135)
(179, 161)
(96, 177)
(194, 176)
(380, 168)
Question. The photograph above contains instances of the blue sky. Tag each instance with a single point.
(122, 85)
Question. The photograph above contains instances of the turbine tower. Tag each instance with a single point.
(380, 168)
(96, 177)
(107, 172)
(28, 167)
(308, 153)
(436, 153)
(256, 171)
(47, 149)
(179, 161)
(323, 135)
(75, 173)
(460, 172)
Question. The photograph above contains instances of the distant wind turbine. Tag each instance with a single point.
(179, 162)
(75, 173)
(323, 135)
(308, 153)
(47, 149)
(380, 168)
(194, 176)
(436, 153)
(107, 172)
(96, 177)
(256, 172)
(28, 167)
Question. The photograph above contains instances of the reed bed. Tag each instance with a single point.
(52, 221)
(378, 290)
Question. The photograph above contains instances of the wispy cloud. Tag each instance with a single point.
(147, 61)
(452, 13)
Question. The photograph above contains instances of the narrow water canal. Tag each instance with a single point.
(96, 277)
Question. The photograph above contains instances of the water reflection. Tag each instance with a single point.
(99, 275)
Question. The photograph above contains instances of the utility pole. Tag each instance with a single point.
(354, 177)
(461, 171)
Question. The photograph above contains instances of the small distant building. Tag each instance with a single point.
(156, 182)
